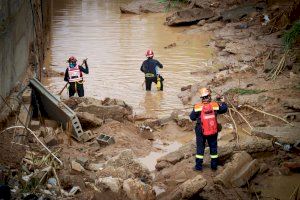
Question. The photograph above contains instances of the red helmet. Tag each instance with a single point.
(72, 59)
(149, 53)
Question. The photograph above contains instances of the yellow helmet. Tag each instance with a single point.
(204, 92)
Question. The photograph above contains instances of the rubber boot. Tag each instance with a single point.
(214, 163)
(198, 166)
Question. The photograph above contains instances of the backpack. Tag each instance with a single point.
(208, 120)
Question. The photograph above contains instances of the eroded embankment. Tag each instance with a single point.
(248, 162)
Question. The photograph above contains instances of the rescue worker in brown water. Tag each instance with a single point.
(73, 75)
(150, 69)
(205, 114)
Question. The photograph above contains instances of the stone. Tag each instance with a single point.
(123, 158)
(225, 151)
(189, 16)
(283, 134)
(106, 109)
(88, 120)
(189, 188)
(51, 140)
(126, 160)
(95, 166)
(76, 166)
(82, 160)
(201, 22)
(238, 171)
(188, 87)
(180, 177)
(136, 190)
(114, 184)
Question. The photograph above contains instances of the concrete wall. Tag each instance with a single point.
(21, 43)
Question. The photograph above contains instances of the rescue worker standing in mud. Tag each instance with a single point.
(150, 69)
(73, 76)
(205, 113)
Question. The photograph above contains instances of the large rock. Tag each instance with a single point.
(108, 108)
(126, 160)
(141, 6)
(88, 120)
(114, 184)
(238, 171)
(189, 16)
(136, 190)
(189, 188)
(174, 157)
(284, 134)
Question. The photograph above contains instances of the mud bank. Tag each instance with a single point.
(24, 31)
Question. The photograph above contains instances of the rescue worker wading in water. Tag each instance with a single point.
(73, 76)
(150, 68)
(205, 113)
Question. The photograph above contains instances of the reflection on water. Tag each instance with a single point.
(115, 45)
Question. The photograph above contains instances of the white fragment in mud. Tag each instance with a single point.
(74, 190)
(27, 178)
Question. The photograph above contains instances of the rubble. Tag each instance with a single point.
(114, 184)
(225, 151)
(125, 160)
(238, 171)
(189, 16)
(88, 120)
(136, 190)
(103, 139)
(107, 109)
(285, 134)
(189, 188)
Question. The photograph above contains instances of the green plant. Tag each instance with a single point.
(291, 35)
(242, 91)
(289, 39)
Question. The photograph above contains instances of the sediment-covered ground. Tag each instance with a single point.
(153, 158)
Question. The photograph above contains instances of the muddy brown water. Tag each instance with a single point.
(115, 44)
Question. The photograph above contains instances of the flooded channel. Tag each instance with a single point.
(115, 45)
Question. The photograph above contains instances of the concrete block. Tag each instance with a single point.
(238, 171)
(88, 135)
(105, 139)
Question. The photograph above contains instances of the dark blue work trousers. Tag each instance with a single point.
(212, 141)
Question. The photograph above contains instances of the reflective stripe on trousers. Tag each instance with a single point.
(199, 156)
(149, 75)
(214, 156)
